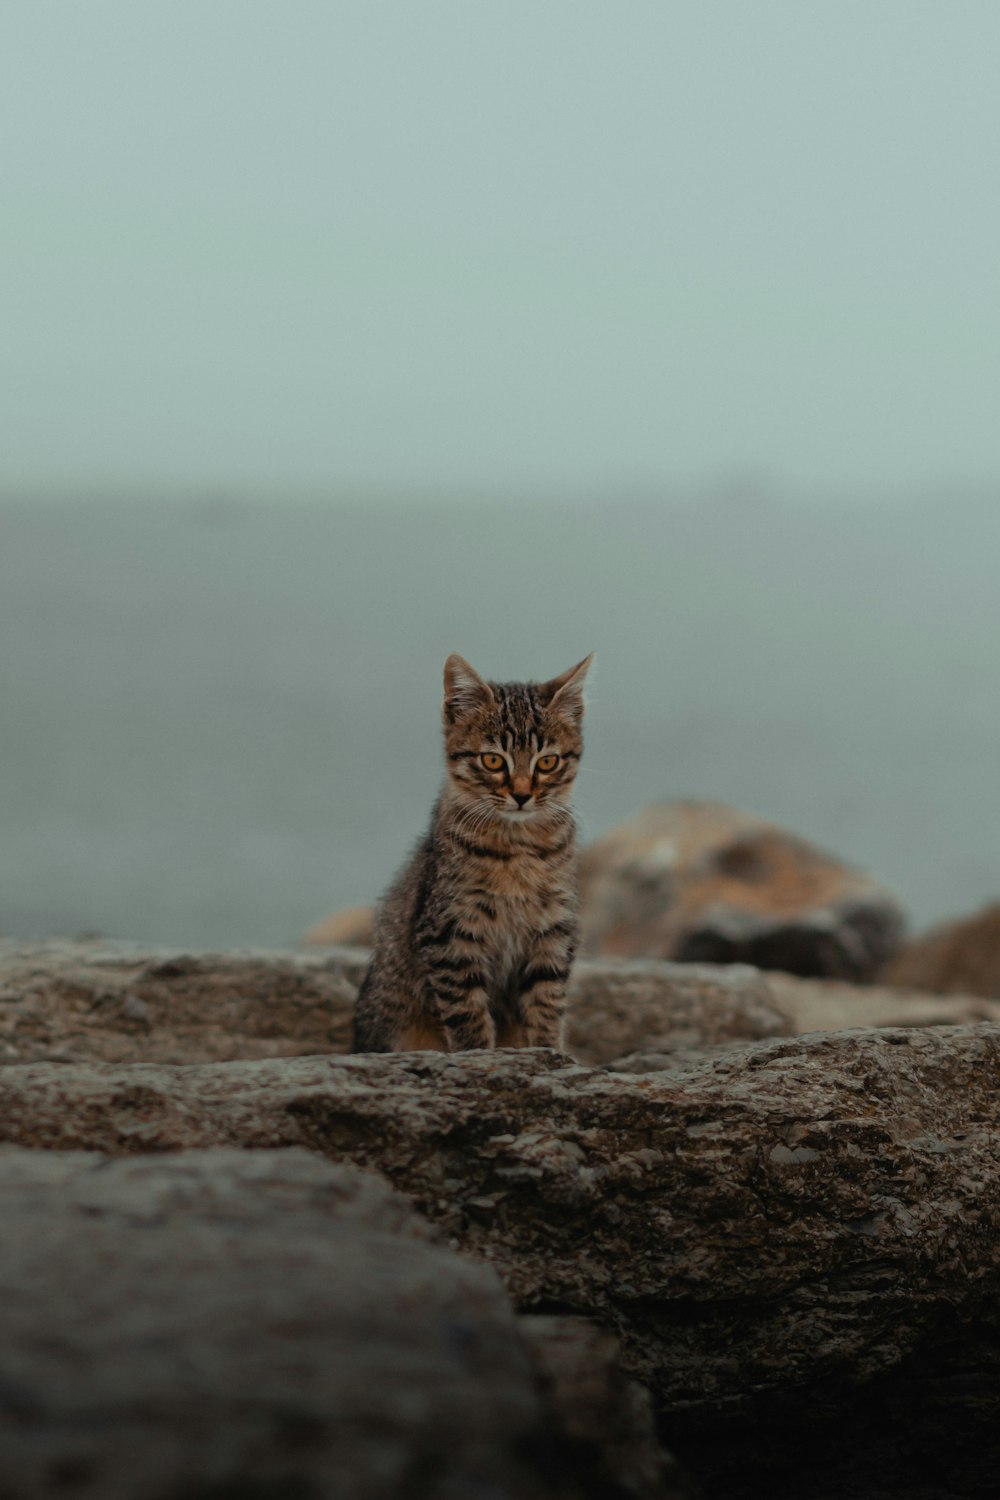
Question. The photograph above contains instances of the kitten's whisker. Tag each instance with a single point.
(475, 818)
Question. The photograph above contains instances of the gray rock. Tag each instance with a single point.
(636, 1006)
(795, 1240)
(603, 1419)
(627, 1196)
(120, 1003)
(267, 1324)
(68, 1002)
(830, 1005)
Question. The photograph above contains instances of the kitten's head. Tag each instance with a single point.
(512, 747)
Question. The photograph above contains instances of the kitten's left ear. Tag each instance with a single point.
(565, 693)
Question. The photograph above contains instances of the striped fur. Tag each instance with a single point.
(475, 938)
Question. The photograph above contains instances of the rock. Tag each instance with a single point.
(700, 882)
(796, 1243)
(635, 1006)
(114, 1003)
(830, 1005)
(67, 1002)
(961, 956)
(117, 1003)
(234, 1323)
(794, 1007)
(531, 1164)
(353, 927)
(603, 1419)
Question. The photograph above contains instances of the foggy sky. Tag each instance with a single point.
(482, 246)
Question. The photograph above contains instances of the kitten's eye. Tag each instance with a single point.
(547, 762)
(492, 761)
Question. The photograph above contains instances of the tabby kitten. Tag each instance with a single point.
(474, 940)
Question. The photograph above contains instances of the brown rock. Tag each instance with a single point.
(962, 956)
(699, 882)
(910, 1108)
(638, 1201)
(831, 1005)
(639, 1007)
(74, 1002)
(795, 1007)
(353, 927)
(796, 1244)
(115, 1003)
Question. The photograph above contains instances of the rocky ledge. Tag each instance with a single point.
(493, 1273)
(73, 1002)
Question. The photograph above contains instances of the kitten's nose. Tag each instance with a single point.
(521, 797)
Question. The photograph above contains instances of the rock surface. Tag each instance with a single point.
(602, 1418)
(73, 1002)
(962, 956)
(700, 882)
(622, 1007)
(791, 1242)
(831, 1005)
(268, 1324)
(116, 1003)
(793, 1239)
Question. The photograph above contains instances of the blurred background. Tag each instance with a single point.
(335, 337)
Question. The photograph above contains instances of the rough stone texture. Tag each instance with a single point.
(831, 1005)
(602, 1194)
(797, 1244)
(629, 1007)
(354, 926)
(962, 956)
(66, 1002)
(266, 1324)
(700, 882)
(638, 1015)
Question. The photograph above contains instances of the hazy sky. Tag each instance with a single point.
(479, 246)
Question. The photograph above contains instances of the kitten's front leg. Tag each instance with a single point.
(457, 991)
(543, 986)
(467, 1021)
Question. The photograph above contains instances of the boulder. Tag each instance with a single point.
(961, 956)
(700, 882)
(62, 1001)
(632, 1007)
(529, 1163)
(796, 1243)
(223, 1323)
(74, 1002)
(689, 1031)
(604, 1419)
(641, 1015)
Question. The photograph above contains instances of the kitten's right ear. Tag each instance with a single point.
(464, 689)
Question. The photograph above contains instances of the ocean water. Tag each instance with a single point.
(219, 722)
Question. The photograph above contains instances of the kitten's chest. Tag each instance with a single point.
(527, 896)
